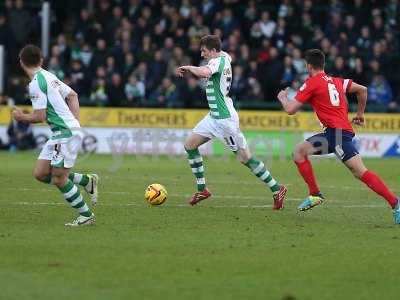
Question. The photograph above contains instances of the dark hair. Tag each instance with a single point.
(31, 56)
(211, 42)
(316, 58)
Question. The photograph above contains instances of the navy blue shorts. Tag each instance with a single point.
(335, 141)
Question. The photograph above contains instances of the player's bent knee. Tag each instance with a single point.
(40, 176)
(189, 146)
(358, 173)
(299, 155)
(242, 160)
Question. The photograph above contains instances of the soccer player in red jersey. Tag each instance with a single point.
(327, 96)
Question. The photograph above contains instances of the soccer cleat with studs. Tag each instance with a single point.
(279, 198)
(311, 201)
(82, 221)
(92, 187)
(199, 196)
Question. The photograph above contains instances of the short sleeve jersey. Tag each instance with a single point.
(327, 96)
(218, 86)
(46, 91)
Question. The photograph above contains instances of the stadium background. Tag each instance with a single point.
(124, 53)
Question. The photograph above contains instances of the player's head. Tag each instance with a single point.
(315, 60)
(210, 46)
(30, 57)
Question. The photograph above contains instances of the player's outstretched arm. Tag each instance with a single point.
(289, 106)
(201, 72)
(37, 116)
(362, 94)
(73, 103)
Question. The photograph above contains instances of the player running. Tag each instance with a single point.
(221, 122)
(57, 104)
(327, 96)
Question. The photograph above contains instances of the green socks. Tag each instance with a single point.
(196, 163)
(258, 168)
(71, 193)
(77, 178)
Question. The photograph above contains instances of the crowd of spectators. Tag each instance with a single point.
(124, 52)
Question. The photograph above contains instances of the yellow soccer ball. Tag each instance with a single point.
(155, 194)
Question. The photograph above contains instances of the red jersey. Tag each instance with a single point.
(327, 96)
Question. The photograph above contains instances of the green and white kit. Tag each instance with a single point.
(46, 91)
(222, 121)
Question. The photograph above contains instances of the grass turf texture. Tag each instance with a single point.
(230, 247)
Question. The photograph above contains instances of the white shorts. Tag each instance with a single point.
(226, 130)
(62, 153)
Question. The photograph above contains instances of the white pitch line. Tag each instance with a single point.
(252, 183)
(267, 197)
(25, 203)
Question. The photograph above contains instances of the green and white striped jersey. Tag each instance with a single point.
(218, 85)
(46, 91)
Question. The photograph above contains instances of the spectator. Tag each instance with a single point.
(158, 68)
(379, 92)
(289, 72)
(227, 23)
(85, 55)
(177, 59)
(64, 49)
(298, 62)
(78, 77)
(146, 52)
(98, 94)
(364, 42)
(339, 69)
(193, 94)
(141, 73)
(20, 136)
(83, 26)
(115, 90)
(20, 22)
(272, 71)
(56, 68)
(239, 83)
(99, 54)
(168, 48)
(254, 92)
(134, 91)
(198, 29)
(267, 26)
(166, 95)
(111, 67)
(350, 28)
(129, 64)
(358, 74)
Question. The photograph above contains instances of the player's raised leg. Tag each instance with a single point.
(89, 182)
(300, 157)
(258, 168)
(375, 183)
(192, 144)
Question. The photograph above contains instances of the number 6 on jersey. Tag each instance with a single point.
(333, 94)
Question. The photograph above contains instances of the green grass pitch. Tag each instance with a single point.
(231, 247)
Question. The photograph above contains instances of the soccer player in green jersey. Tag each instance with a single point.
(221, 122)
(57, 104)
